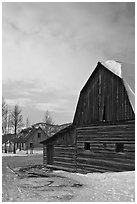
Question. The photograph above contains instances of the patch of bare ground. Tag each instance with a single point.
(36, 183)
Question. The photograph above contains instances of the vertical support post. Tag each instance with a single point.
(75, 151)
(5, 148)
(27, 149)
(14, 149)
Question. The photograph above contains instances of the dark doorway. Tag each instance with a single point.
(31, 148)
(31, 145)
(104, 114)
(50, 152)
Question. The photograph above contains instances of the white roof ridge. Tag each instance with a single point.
(126, 72)
(113, 66)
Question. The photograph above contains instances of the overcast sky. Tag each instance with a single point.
(50, 50)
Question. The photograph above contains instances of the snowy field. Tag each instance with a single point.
(61, 186)
(23, 153)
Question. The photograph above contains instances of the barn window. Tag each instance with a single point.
(119, 147)
(87, 146)
(39, 134)
(104, 114)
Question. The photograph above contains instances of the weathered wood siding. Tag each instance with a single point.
(63, 151)
(64, 156)
(102, 155)
(103, 96)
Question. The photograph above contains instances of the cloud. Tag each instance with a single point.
(30, 94)
(60, 106)
(23, 102)
(50, 49)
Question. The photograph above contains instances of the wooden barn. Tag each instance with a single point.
(102, 135)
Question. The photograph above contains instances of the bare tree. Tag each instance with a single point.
(16, 118)
(9, 119)
(4, 106)
(4, 116)
(47, 119)
(27, 122)
(16, 121)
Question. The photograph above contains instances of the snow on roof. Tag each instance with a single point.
(113, 66)
(125, 71)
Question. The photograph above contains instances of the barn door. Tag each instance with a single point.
(50, 151)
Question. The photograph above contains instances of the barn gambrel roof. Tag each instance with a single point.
(126, 72)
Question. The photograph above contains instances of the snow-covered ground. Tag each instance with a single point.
(22, 153)
(62, 186)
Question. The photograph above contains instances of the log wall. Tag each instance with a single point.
(102, 155)
(64, 156)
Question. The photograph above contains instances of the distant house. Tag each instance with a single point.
(102, 135)
(30, 138)
(8, 142)
(50, 129)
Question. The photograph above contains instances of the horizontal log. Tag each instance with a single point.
(82, 171)
(120, 133)
(111, 150)
(126, 136)
(108, 148)
(89, 154)
(106, 163)
(108, 157)
(65, 156)
(93, 168)
(106, 153)
(96, 168)
(125, 124)
(102, 169)
(71, 169)
(64, 164)
(64, 151)
(106, 130)
(129, 148)
(106, 141)
(85, 170)
(108, 133)
(64, 159)
(64, 146)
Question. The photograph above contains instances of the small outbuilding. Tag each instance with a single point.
(102, 135)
